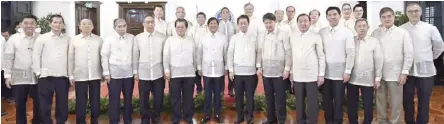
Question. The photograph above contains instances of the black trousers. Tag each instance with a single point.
(230, 85)
(333, 99)
(276, 99)
(353, 103)
(6, 92)
(212, 95)
(156, 87)
(115, 87)
(198, 82)
(46, 88)
(85, 89)
(302, 91)
(288, 88)
(245, 84)
(423, 86)
(182, 91)
(21, 93)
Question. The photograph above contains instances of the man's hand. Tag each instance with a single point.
(402, 79)
(259, 72)
(346, 77)
(226, 73)
(377, 84)
(320, 81)
(107, 78)
(291, 77)
(8, 83)
(199, 72)
(136, 77)
(286, 74)
(231, 76)
(167, 76)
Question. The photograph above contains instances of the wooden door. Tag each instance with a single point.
(13, 11)
(91, 11)
(134, 14)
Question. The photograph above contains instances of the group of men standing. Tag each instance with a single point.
(391, 61)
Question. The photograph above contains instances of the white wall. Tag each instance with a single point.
(109, 9)
(66, 8)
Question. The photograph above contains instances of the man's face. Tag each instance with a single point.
(304, 23)
(121, 27)
(158, 12)
(269, 25)
(333, 17)
(346, 11)
(29, 25)
(181, 28)
(243, 25)
(414, 12)
(359, 12)
(225, 14)
(213, 26)
(290, 12)
(361, 27)
(249, 9)
(180, 13)
(387, 19)
(57, 24)
(314, 16)
(149, 24)
(201, 19)
(86, 25)
(279, 15)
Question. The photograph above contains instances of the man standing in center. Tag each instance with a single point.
(274, 60)
(398, 59)
(242, 57)
(339, 48)
(180, 63)
(148, 68)
(212, 56)
(117, 67)
(228, 28)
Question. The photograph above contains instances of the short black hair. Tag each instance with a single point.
(181, 20)
(303, 14)
(288, 7)
(56, 16)
(212, 19)
(269, 16)
(356, 6)
(158, 6)
(29, 17)
(201, 13)
(243, 17)
(386, 9)
(413, 3)
(224, 8)
(333, 8)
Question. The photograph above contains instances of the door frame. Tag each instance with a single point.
(139, 5)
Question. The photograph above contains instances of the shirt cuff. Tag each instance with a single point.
(105, 73)
(258, 65)
(231, 70)
(37, 74)
(406, 72)
(348, 71)
(321, 74)
(287, 69)
(167, 70)
(199, 67)
(135, 72)
(71, 77)
(7, 76)
(378, 79)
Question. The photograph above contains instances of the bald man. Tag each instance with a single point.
(180, 14)
(85, 71)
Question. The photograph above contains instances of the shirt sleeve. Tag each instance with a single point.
(9, 57)
(438, 44)
(350, 51)
(37, 54)
(199, 55)
(408, 53)
(225, 52)
(230, 55)
(71, 59)
(105, 53)
(166, 56)
(259, 50)
(378, 61)
(136, 55)
(321, 56)
(287, 49)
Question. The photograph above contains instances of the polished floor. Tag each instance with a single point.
(229, 115)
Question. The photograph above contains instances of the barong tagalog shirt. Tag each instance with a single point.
(147, 55)
(212, 54)
(179, 57)
(274, 53)
(368, 62)
(84, 62)
(242, 54)
(116, 56)
(50, 55)
(18, 59)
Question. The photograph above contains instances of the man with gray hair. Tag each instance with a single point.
(256, 25)
(315, 24)
(180, 14)
(117, 67)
